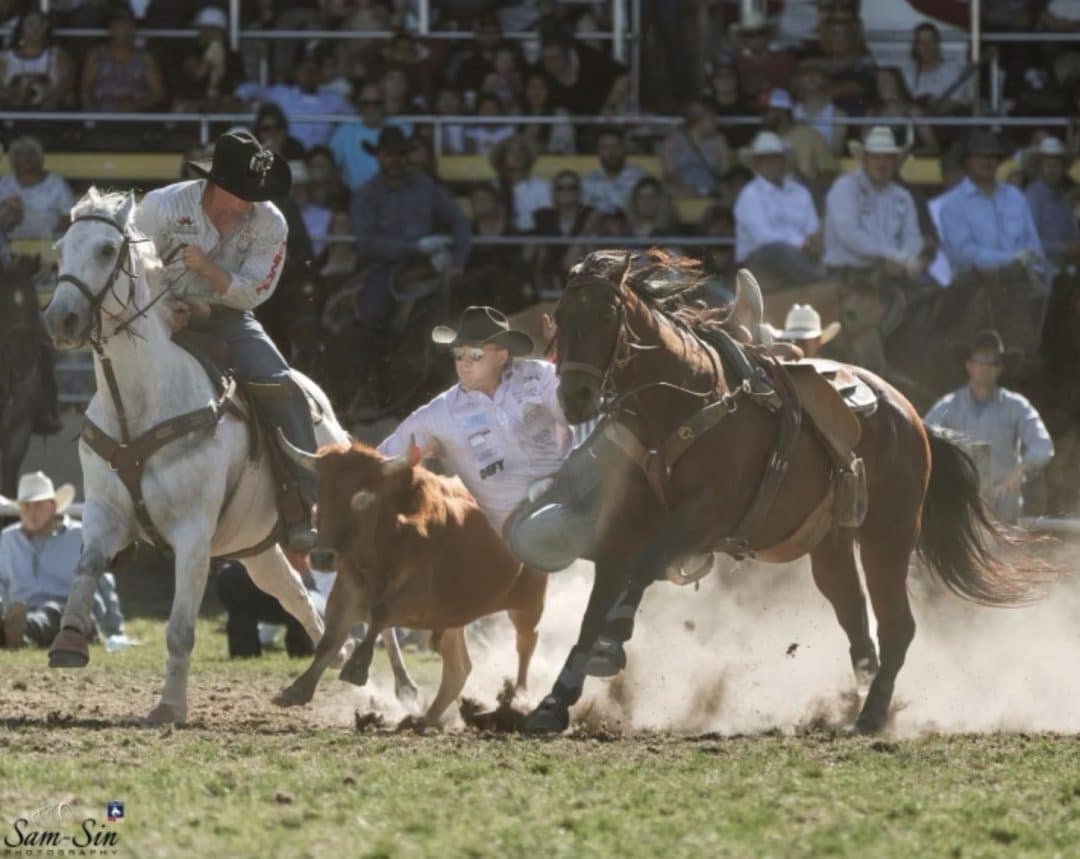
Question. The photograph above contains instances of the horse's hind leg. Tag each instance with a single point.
(886, 549)
(344, 607)
(836, 576)
(527, 601)
(456, 666)
(272, 573)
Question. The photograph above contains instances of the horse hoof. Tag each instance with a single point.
(69, 650)
(357, 675)
(290, 696)
(868, 724)
(606, 660)
(165, 714)
(547, 719)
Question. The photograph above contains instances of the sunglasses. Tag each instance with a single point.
(371, 102)
(993, 362)
(567, 188)
(265, 129)
(470, 353)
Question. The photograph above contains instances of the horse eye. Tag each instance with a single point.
(107, 251)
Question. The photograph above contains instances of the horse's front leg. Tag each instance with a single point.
(192, 569)
(553, 713)
(673, 540)
(105, 532)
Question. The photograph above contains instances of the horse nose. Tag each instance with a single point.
(69, 326)
(323, 559)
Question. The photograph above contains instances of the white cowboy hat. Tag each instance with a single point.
(752, 21)
(1050, 146)
(781, 98)
(880, 141)
(37, 486)
(767, 143)
(211, 17)
(804, 323)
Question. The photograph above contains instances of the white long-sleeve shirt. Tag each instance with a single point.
(766, 213)
(498, 446)
(864, 223)
(253, 255)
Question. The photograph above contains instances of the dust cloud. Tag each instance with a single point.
(757, 648)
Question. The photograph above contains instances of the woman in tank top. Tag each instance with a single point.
(34, 73)
(119, 75)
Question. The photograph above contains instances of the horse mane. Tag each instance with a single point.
(669, 283)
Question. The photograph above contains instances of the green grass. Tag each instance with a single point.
(247, 780)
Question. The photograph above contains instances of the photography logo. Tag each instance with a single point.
(60, 829)
(114, 811)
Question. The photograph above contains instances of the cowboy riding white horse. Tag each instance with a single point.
(199, 491)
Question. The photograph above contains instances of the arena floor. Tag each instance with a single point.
(721, 740)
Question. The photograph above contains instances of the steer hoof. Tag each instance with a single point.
(165, 714)
(606, 660)
(290, 696)
(70, 649)
(548, 718)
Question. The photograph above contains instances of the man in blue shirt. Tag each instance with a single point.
(38, 556)
(986, 224)
(1005, 421)
(1000, 273)
(303, 98)
(1049, 197)
(356, 163)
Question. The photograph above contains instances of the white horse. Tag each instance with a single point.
(203, 493)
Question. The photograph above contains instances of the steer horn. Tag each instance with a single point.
(307, 461)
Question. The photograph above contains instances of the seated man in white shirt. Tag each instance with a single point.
(38, 556)
(777, 232)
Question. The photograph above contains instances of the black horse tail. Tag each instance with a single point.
(960, 537)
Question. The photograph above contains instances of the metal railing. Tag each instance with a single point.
(205, 120)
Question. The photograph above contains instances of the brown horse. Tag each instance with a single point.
(632, 345)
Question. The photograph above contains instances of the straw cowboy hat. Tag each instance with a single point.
(879, 141)
(244, 168)
(480, 325)
(37, 486)
(804, 323)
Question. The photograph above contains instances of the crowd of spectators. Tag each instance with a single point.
(776, 191)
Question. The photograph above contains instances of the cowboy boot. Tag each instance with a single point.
(283, 406)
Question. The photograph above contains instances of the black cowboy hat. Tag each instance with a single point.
(481, 325)
(390, 138)
(245, 168)
(988, 340)
(982, 142)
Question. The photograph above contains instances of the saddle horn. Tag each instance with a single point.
(305, 460)
(749, 307)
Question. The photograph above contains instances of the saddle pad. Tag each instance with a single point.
(826, 408)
